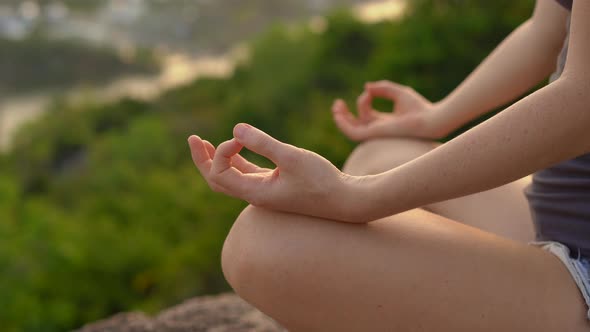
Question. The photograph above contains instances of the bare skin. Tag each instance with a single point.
(271, 256)
(415, 271)
(326, 250)
(503, 210)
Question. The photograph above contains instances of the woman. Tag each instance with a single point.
(446, 248)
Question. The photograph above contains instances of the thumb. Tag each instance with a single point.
(260, 142)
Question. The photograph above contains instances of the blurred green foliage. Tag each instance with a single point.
(102, 210)
(39, 63)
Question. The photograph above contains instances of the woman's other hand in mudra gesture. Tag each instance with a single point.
(411, 115)
(302, 182)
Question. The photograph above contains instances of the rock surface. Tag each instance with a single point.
(221, 313)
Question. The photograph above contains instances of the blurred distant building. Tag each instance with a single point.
(13, 25)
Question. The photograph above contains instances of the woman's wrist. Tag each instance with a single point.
(363, 198)
(438, 120)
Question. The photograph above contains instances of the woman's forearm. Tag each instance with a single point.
(544, 128)
(521, 61)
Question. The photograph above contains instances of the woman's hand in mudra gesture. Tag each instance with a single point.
(303, 182)
(411, 115)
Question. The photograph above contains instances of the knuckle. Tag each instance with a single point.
(215, 187)
(219, 188)
(255, 200)
(210, 179)
(292, 157)
(215, 178)
(355, 137)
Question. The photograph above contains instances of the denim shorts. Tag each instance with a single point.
(579, 267)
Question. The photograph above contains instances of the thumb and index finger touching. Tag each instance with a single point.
(385, 89)
(380, 89)
(219, 166)
(263, 144)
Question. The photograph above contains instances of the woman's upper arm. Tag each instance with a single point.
(549, 22)
(577, 66)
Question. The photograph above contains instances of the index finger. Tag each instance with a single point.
(223, 156)
(384, 89)
(263, 144)
(231, 180)
(363, 104)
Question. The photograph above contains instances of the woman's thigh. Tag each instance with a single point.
(503, 210)
(415, 271)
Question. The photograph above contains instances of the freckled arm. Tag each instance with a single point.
(522, 60)
(547, 127)
(542, 129)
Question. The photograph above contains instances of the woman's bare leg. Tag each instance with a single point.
(503, 210)
(414, 271)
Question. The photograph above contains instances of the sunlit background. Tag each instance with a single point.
(101, 210)
(137, 48)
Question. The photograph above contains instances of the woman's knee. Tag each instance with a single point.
(235, 255)
(268, 256)
(250, 252)
(378, 155)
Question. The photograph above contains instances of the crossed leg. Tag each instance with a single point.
(415, 271)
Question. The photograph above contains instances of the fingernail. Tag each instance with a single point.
(240, 130)
(191, 136)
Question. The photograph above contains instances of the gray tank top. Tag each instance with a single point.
(566, 3)
(559, 196)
